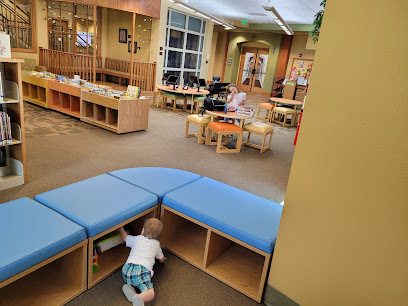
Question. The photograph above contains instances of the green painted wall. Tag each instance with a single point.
(234, 52)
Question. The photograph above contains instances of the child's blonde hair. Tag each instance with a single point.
(152, 228)
(232, 85)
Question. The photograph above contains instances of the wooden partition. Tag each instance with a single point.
(69, 64)
(143, 74)
(236, 263)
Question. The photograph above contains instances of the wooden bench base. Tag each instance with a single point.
(55, 281)
(228, 259)
(114, 259)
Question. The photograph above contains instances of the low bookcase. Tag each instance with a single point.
(35, 90)
(116, 115)
(64, 98)
(237, 264)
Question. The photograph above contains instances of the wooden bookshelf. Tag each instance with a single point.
(115, 258)
(35, 90)
(228, 259)
(13, 169)
(64, 98)
(119, 116)
(55, 281)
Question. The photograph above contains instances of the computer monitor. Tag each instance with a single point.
(202, 82)
(172, 80)
(193, 79)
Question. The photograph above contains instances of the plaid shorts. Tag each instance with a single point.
(138, 276)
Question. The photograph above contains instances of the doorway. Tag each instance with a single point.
(252, 69)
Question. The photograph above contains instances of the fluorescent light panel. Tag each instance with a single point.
(202, 14)
(279, 20)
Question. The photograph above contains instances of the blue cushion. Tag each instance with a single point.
(31, 233)
(155, 179)
(98, 203)
(242, 215)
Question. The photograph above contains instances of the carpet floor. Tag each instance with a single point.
(62, 150)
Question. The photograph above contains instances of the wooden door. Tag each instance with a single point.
(246, 66)
(252, 69)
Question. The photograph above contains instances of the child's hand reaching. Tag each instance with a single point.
(162, 259)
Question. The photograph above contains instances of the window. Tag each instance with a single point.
(184, 45)
(71, 27)
(17, 20)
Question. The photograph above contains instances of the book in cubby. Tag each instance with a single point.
(12, 139)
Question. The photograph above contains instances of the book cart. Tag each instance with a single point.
(115, 258)
(35, 90)
(115, 115)
(64, 98)
(13, 165)
(238, 264)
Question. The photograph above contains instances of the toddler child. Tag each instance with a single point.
(138, 270)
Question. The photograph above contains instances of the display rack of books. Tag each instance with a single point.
(35, 89)
(117, 115)
(278, 87)
(13, 169)
(64, 98)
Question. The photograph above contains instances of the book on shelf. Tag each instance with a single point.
(5, 129)
(1, 89)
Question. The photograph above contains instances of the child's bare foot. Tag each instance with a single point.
(129, 292)
(137, 300)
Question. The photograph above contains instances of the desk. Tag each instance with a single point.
(190, 91)
(286, 101)
(229, 115)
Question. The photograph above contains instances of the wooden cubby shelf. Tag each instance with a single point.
(233, 262)
(115, 258)
(54, 281)
(119, 116)
(35, 90)
(64, 98)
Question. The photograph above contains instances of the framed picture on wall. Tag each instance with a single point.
(134, 48)
(123, 36)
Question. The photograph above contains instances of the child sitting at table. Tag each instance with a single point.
(138, 270)
(235, 98)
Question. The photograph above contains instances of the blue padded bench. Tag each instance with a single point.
(101, 204)
(156, 180)
(33, 237)
(242, 230)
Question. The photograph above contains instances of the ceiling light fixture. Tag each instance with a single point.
(279, 20)
(204, 15)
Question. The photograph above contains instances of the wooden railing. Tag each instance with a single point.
(69, 64)
(117, 65)
(143, 76)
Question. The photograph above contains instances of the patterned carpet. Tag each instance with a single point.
(40, 122)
